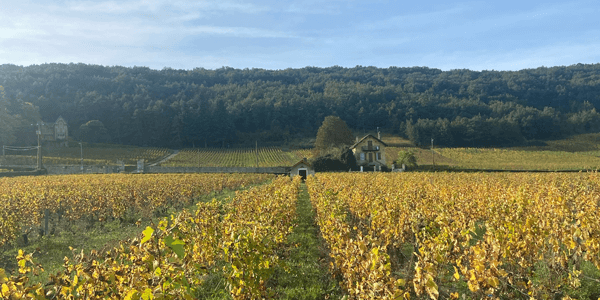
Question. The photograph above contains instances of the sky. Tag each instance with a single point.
(271, 34)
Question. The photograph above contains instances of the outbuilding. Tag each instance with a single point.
(302, 168)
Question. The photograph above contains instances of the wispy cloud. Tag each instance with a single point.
(155, 6)
(275, 34)
(238, 32)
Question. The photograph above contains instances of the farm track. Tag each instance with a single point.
(175, 152)
(308, 276)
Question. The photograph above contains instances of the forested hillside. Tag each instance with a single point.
(182, 108)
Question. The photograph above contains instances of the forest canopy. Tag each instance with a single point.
(226, 106)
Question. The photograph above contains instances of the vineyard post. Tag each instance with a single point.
(46, 217)
(257, 154)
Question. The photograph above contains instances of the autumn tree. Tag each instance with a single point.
(334, 132)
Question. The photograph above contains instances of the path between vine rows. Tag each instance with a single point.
(308, 276)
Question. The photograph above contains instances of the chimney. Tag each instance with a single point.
(379, 135)
(357, 139)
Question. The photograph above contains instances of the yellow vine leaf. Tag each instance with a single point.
(147, 234)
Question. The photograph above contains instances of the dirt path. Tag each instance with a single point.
(175, 152)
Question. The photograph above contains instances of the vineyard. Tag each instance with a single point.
(235, 241)
(383, 235)
(512, 159)
(91, 156)
(28, 202)
(242, 157)
(449, 235)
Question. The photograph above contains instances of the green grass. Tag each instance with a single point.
(307, 276)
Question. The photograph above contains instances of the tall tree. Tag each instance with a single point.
(333, 133)
(94, 132)
(7, 121)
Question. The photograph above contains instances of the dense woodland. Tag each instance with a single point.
(234, 107)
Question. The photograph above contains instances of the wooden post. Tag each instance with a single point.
(46, 217)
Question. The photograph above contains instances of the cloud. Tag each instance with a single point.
(121, 7)
(238, 32)
(274, 34)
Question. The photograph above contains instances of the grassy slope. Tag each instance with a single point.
(574, 153)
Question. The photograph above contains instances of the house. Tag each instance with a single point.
(369, 152)
(302, 168)
(56, 133)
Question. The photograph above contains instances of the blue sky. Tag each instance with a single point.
(269, 34)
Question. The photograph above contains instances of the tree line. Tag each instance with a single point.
(227, 106)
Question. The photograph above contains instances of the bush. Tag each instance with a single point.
(407, 158)
(336, 159)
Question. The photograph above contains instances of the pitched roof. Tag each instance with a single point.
(366, 136)
(302, 162)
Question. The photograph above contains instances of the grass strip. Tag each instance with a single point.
(305, 259)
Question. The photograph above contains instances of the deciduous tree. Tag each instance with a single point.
(333, 133)
(7, 121)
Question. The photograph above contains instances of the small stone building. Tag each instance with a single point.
(302, 168)
(369, 152)
(56, 133)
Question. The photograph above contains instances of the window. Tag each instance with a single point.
(362, 156)
(378, 155)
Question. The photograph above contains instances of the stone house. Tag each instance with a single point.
(55, 134)
(369, 152)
